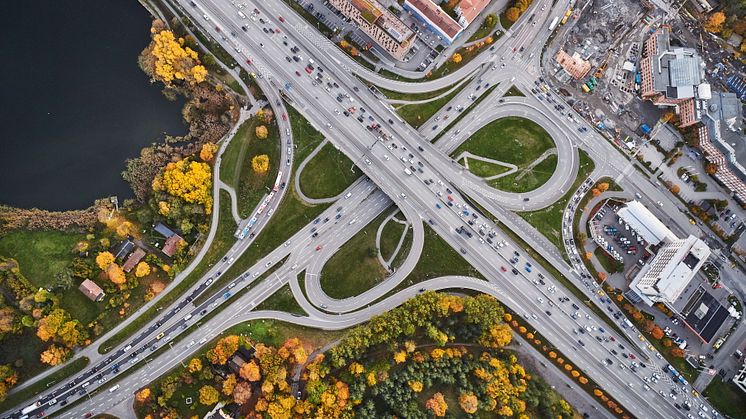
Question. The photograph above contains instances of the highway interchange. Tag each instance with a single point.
(527, 291)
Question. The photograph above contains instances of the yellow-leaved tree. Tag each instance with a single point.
(261, 132)
(437, 404)
(173, 61)
(54, 355)
(260, 164)
(208, 395)
(188, 180)
(715, 22)
(456, 58)
(116, 274)
(195, 365)
(142, 269)
(104, 259)
(207, 152)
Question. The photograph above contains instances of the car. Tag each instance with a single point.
(282, 19)
(549, 313)
(297, 73)
(502, 268)
(318, 248)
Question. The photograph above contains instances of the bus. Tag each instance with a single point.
(278, 182)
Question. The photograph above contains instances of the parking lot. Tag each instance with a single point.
(617, 238)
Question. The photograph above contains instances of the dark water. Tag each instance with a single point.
(73, 102)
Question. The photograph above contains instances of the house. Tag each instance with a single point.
(92, 290)
(163, 230)
(123, 249)
(133, 259)
(171, 245)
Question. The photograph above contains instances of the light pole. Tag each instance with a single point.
(171, 345)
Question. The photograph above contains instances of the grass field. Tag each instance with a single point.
(485, 169)
(406, 247)
(530, 180)
(513, 140)
(548, 221)
(390, 237)
(355, 268)
(611, 266)
(484, 30)
(328, 173)
(282, 300)
(235, 169)
(514, 91)
(418, 114)
(40, 254)
(291, 214)
(727, 398)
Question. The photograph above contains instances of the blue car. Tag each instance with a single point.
(437, 205)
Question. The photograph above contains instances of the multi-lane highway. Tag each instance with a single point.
(403, 167)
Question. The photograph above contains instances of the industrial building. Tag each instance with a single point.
(675, 263)
(379, 24)
(673, 77)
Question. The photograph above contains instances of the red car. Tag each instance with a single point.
(631, 356)
(217, 28)
(450, 198)
(502, 268)
(248, 62)
(613, 339)
(309, 70)
(284, 117)
(318, 248)
(297, 73)
(282, 19)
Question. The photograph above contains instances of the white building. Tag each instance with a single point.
(677, 261)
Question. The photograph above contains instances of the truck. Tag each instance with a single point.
(627, 323)
(31, 408)
(553, 23)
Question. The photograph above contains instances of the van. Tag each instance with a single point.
(407, 171)
(127, 348)
(113, 389)
(241, 15)
(188, 316)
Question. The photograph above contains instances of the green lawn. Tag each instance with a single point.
(610, 265)
(282, 300)
(548, 221)
(530, 180)
(223, 240)
(406, 247)
(20, 396)
(328, 173)
(467, 54)
(416, 115)
(505, 22)
(390, 237)
(485, 29)
(355, 268)
(40, 254)
(235, 169)
(512, 140)
(726, 398)
(291, 214)
(485, 169)
(514, 91)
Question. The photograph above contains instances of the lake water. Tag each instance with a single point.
(74, 104)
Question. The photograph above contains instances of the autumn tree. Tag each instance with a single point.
(595, 192)
(173, 61)
(498, 336)
(195, 365)
(456, 58)
(242, 392)
(588, 255)
(602, 276)
(229, 384)
(142, 269)
(260, 164)
(711, 168)
(657, 333)
(677, 352)
(715, 22)
(208, 395)
(104, 259)
(250, 371)
(188, 180)
(675, 189)
(49, 325)
(512, 14)
(603, 186)
(224, 349)
(261, 132)
(207, 152)
(54, 355)
(115, 274)
(437, 404)
(142, 396)
(468, 402)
